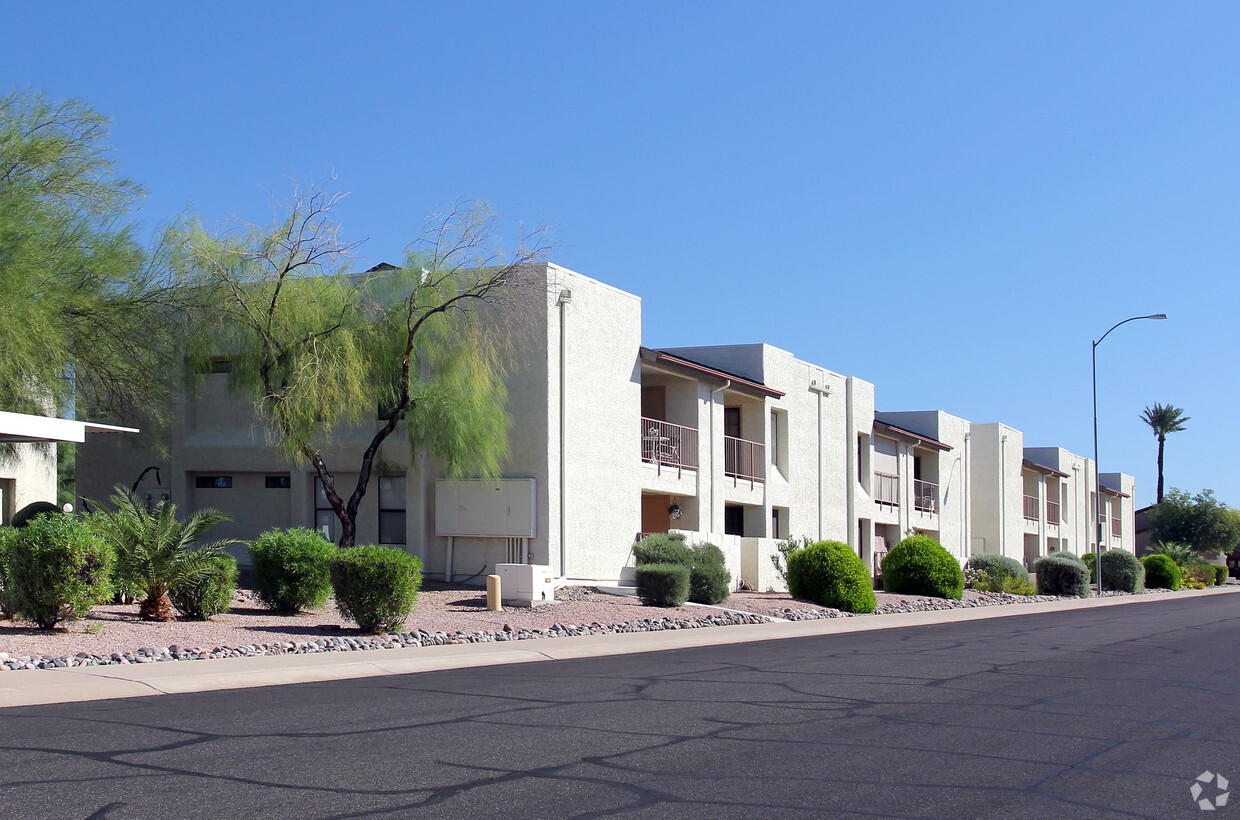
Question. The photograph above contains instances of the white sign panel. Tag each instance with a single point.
(485, 509)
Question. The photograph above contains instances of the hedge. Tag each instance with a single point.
(1121, 571)
(919, 565)
(998, 565)
(57, 570)
(663, 584)
(291, 570)
(1062, 573)
(376, 587)
(832, 575)
(1161, 572)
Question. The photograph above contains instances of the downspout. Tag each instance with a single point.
(566, 296)
(1003, 497)
(850, 458)
(726, 384)
(966, 533)
(819, 499)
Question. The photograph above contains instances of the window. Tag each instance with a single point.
(392, 509)
(732, 422)
(324, 516)
(213, 482)
(779, 441)
(276, 482)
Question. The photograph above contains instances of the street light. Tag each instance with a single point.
(1097, 474)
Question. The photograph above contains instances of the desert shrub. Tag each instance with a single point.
(1199, 576)
(210, 593)
(1062, 573)
(831, 574)
(997, 581)
(709, 579)
(1090, 560)
(663, 584)
(57, 570)
(919, 565)
(376, 587)
(291, 571)
(785, 548)
(7, 536)
(997, 565)
(1161, 572)
(1220, 574)
(32, 511)
(662, 548)
(1122, 571)
(1182, 554)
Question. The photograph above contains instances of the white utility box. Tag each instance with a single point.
(525, 584)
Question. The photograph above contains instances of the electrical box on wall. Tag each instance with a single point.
(525, 584)
(485, 509)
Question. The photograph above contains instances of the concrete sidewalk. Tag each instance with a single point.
(40, 686)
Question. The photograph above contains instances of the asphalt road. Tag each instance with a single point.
(1096, 713)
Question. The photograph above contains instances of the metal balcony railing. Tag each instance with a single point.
(669, 445)
(1052, 512)
(925, 496)
(887, 489)
(744, 459)
(1031, 508)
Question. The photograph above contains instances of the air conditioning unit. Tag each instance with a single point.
(525, 584)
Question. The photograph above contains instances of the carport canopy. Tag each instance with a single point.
(20, 427)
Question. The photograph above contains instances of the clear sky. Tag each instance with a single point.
(950, 200)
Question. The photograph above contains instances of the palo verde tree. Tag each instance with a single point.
(86, 316)
(1163, 419)
(317, 348)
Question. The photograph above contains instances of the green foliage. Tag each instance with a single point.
(783, 550)
(8, 536)
(211, 593)
(1181, 554)
(1090, 560)
(665, 585)
(1062, 573)
(292, 569)
(1201, 521)
(998, 565)
(1122, 571)
(997, 581)
(155, 551)
(1163, 419)
(1220, 575)
(662, 548)
(376, 587)
(919, 565)
(79, 293)
(831, 574)
(32, 510)
(57, 570)
(709, 579)
(1199, 576)
(1161, 572)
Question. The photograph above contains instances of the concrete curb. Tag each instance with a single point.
(45, 686)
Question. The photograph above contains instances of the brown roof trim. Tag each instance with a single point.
(697, 368)
(909, 435)
(1042, 468)
(1112, 491)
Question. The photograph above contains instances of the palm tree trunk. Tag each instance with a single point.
(1161, 441)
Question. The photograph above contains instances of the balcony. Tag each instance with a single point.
(744, 459)
(669, 445)
(925, 496)
(887, 489)
(1031, 508)
(1052, 512)
(1117, 528)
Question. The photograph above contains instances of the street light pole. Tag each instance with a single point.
(1097, 473)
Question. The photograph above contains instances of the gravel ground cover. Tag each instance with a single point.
(443, 615)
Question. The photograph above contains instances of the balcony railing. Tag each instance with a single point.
(887, 489)
(744, 459)
(1117, 528)
(669, 445)
(1052, 512)
(1031, 508)
(925, 496)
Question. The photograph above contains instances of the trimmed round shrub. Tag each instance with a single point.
(1161, 572)
(57, 570)
(663, 584)
(376, 587)
(830, 574)
(709, 579)
(209, 594)
(919, 565)
(998, 565)
(1122, 571)
(1220, 574)
(32, 511)
(1062, 573)
(291, 571)
(662, 548)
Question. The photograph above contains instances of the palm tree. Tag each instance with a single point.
(155, 551)
(1163, 419)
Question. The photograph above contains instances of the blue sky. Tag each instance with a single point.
(950, 200)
